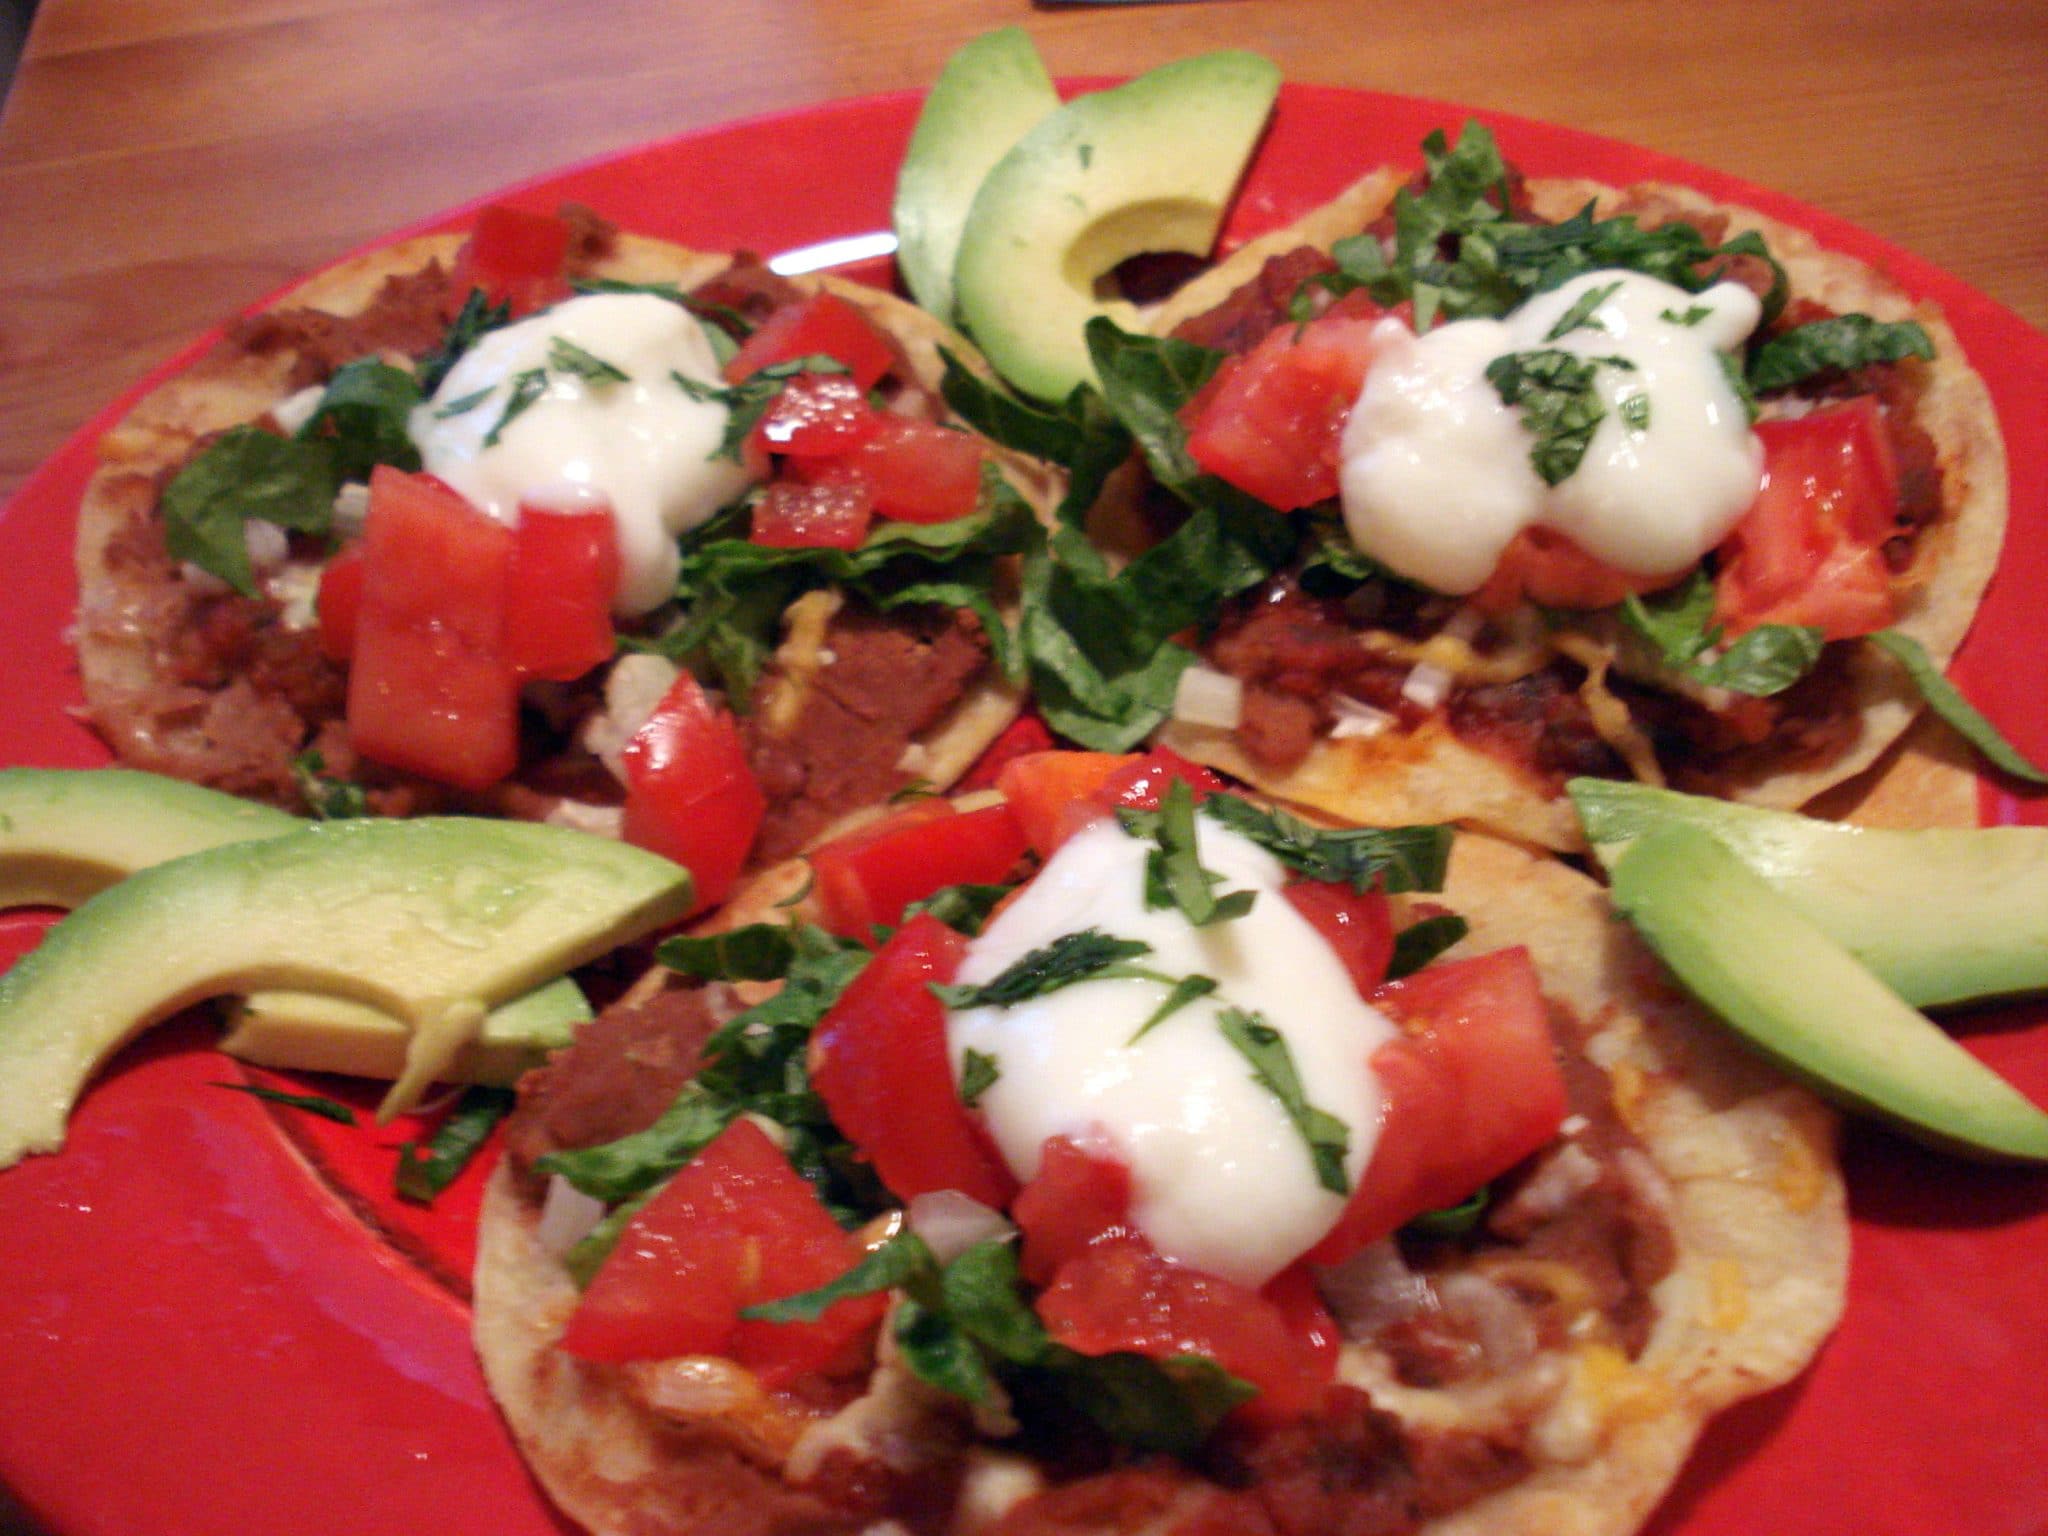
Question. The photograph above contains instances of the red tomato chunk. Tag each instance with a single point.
(691, 795)
(735, 1227)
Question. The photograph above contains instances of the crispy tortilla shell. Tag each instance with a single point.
(1745, 1161)
(1953, 557)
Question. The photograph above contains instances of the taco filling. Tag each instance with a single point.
(455, 532)
(1195, 1184)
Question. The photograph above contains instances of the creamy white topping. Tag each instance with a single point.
(1436, 476)
(1222, 1177)
(642, 444)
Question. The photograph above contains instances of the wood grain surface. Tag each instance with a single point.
(164, 163)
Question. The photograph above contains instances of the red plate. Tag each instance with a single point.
(200, 1333)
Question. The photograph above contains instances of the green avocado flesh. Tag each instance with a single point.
(1941, 915)
(432, 921)
(987, 96)
(1148, 166)
(1803, 1000)
(66, 834)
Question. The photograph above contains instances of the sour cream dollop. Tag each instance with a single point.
(1436, 477)
(1222, 1177)
(642, 443)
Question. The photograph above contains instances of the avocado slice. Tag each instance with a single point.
(306, 1032)
(1803, 1000)
(432, 921)
(988, 94)
(1941, 914)
(67, 833)
(1147, 166)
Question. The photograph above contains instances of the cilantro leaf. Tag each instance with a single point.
(365, 413)
(1840, 342)
(1392, 858)
(330, 799)
(242, 475)
(1070, 958)
(565, 356)
(423, 1174)
(1174, 876)
(904, 1258)
(1272, 1064)
(1185, 991)
(1554, 391)
(978, 1073)
(311, 1103)
(1947, 701)
(528, 385)
(1679, 624)
(755, 952)
(1419, 943)
(477, 319)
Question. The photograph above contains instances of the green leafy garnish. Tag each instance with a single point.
(330, 799)
(1273, 1069)
(904, 1258)
(311, 1103)
(1958, 712)
(1580, 316)
(1839, 342)
(1174, 876)
(1452, 1220)
(1553, 389)
(565, 356)
(528, 385)
(1690, 316)
(1679, 623)
(460, 1136)
(1391, 858)
(1185, 991)
(478, 318)
(364, 413)
(978, 1074)
(755, 952)
(735, 592)
(1421, 942)
(754, 1064)
(1070, 958)
(964, 908)
(243, 475)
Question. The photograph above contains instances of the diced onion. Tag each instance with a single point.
(294, 411)
(351, 509)
(951, 1223)
(1205, 696)
(567, 1216)
(1373, 1289)
(1427, 684)
(268, 544)
(635, 684)
(1357, 718)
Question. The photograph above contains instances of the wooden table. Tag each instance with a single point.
(164, 163)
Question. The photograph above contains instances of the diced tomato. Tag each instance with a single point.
(1359, 928)
(1021, 737)
(878, 1059)
(830, 509)
(429, 689)
(1471, 1088)
(1119, 1295)
(340, 603)
(691, 795)
(558, 595)
(515, 257)
(1810, 550)
(822, 325)
(871, 875)
(816, 416)
(737, 1226)
(1078, 1198)
(1271, 421)
(1055, 794)
(1541, 565)
(921, 472)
